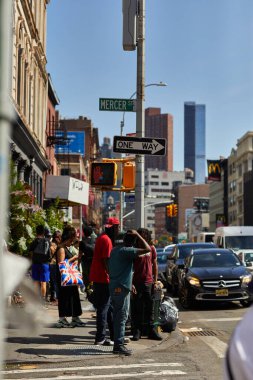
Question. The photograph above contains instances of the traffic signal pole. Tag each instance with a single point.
(140, 114)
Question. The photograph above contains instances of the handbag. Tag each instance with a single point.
(70, 274)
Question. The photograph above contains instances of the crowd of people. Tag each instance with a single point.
(120, 267)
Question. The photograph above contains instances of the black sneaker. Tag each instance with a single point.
(136, 335)
(154, 335)
(122, 350)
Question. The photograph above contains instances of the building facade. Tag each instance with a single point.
(160, 126)
(159, 189)
(185, 198)
(195, 140)
(239, 164)
(75, 155)
(29, 93)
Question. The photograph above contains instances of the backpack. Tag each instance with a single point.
(41, 251)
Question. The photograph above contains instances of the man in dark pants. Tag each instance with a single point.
(100, 278)
(144, 281)
(86, 252)
(121, 273)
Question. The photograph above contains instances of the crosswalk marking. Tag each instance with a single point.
(159, 371)
(215, 320)
(116, 375)
(71, 369)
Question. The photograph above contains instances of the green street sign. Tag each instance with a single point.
(122, 105)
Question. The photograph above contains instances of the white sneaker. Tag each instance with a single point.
(105, 342)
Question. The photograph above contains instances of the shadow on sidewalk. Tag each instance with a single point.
(52, 339)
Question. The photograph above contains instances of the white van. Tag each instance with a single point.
(205, 237)
(234, 237)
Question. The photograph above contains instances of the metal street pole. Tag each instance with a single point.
(122, 125)
(5, 125)
(140, 115)
(121, 194)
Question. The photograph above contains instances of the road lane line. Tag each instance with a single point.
(71, 369)
(117, 375)
(216, 345)
(214, 320)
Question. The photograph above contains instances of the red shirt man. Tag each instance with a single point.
(100, 278)
(102, 250)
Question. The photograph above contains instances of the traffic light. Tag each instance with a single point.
(175, 209)
(128, 179)
(103, 174)
(169, 211)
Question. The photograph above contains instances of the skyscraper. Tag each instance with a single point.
(160, 126)
(195, 139)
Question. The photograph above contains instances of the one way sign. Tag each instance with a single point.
(139, 145)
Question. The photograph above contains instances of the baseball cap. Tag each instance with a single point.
(111, 221)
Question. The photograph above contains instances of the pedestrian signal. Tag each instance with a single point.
(128, 180)
(103, 174)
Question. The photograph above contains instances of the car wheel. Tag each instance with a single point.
(245, 303)
(184, 298)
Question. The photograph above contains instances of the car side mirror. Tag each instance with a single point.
(249, 263)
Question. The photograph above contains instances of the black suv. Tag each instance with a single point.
(176, 262)
(215, 275)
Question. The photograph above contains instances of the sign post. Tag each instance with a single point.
(139, 145)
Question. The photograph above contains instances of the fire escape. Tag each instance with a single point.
(57, 137)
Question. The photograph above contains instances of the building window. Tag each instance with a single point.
(245, 166)
(240, 207)
(165, 183)
(19, 76)
(240, 170)
(155, 176)
(240, 187)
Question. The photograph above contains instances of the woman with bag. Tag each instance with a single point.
(69, 304)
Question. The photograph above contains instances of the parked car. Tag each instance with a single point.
(215, 275)
(176, 262)
(162, 260)
(159, 250)
(246, 258)
(169, 247)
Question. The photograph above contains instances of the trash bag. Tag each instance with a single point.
(168, 316)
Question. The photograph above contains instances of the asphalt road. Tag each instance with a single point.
(195, 350)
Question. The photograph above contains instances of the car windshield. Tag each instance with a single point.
(214, 259)
(162, 258)
(239, 242)
(248, 257)
(185, 250)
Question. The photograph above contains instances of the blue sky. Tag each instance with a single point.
(202, 49)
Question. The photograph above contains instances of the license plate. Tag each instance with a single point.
(221, 292)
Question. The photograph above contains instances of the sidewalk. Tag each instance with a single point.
(51, 344)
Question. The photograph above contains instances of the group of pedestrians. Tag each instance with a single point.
(108, 263)
(112, 268)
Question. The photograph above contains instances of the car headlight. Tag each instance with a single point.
(194, 281)
(247, 279)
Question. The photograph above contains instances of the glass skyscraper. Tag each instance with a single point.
(195, 140)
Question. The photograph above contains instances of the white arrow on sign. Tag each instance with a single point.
(153, 146)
